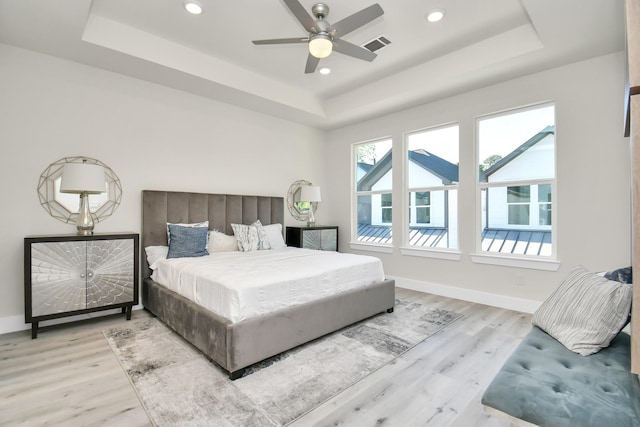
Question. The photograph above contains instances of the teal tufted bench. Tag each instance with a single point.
(545, 384)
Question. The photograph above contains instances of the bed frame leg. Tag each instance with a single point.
(236, 374)
(390, 310)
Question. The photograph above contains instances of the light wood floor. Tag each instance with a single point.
(69, 376)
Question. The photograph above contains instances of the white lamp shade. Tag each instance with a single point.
(310, 193)
(320, 46)
(83, 178)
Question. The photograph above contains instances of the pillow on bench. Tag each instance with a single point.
(586, 311)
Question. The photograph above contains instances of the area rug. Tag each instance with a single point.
(178, 385)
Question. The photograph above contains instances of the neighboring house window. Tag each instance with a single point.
(385, 208)
(432, 179)
(420, 207)
(518, 198)
(544, 204)
(373, 184)
(516, 153)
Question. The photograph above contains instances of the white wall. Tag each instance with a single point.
(151, 136)
(158, 138)
(592, 158)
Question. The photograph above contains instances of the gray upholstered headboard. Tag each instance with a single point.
(160, 207)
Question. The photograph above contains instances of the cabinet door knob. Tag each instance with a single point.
(82, 275)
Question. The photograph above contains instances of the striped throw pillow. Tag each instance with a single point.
(586, 311)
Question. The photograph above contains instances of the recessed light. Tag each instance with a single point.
(324, 70)
(193, 7)
(434, 15)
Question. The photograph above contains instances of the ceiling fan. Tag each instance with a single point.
(323, 37)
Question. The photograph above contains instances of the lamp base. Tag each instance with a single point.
(85, 223)
(311, 219)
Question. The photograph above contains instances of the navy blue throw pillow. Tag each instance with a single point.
(620, 275)
(187, 241)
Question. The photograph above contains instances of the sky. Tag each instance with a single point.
(499, 134)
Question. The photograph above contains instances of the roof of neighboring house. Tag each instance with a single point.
(376, 172)
(365, 166)
(520, 242)
(549, 130)
(438, 166)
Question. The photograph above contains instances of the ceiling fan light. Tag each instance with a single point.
(320, 46)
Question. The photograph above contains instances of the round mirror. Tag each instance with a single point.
(65, 206)
(299, 210)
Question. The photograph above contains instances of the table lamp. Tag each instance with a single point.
(311, 194)
(83, 179)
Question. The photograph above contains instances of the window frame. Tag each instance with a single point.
(449, 253)
(539, 262)
(355, 194)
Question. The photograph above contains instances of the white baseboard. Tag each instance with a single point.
(10, 324)
(13, 324)
(486, 298)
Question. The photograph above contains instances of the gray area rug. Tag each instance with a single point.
(178, 385)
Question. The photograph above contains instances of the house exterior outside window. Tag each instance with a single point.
(432, 182)
(373, 192)
(516, 181)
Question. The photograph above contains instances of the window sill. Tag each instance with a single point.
(447, 254)
(546, 264)
(387, 249)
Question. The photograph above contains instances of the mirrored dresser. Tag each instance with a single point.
(324, 238)
(74, 274)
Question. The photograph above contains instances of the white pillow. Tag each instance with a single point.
(220, 242)
(586, 311)
(274, 235)
(155, 254)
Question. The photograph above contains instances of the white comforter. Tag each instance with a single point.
(241, 285)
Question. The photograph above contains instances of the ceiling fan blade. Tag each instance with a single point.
(312, 64)
(357, 20)
(282, 41)
(351, 49)
(302, 15)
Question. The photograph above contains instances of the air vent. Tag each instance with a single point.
(377, 43)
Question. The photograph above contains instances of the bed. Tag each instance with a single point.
(235, 345)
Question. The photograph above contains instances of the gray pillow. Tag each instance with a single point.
(586, 311)
(187, 241)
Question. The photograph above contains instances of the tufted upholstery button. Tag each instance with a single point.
(607, 388)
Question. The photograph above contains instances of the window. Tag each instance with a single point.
(432, 177)
(385, 208)
(420, 207)
(516, 175)
(373, 185)
(518, 204)
(544, 204)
